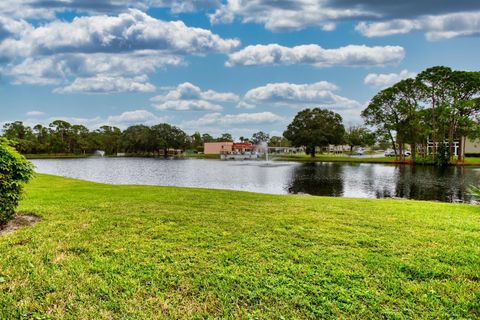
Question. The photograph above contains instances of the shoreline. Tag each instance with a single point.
(469, 162)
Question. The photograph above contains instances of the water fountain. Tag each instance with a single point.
(99, 153)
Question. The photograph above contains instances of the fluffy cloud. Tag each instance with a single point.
(459, 16)
(178, 6)
(135, 117)
(290, 14)
(46, 9)
(455, 18)
(61, 67)
(35, 113)
(190, 97)
(101, 47)
(435, 27)
(300, 95)
(379, 80)
(217, 119)
(107, 84)
(127, 32)
(351, 55)
(245, 105)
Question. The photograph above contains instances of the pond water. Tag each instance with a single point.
(322, 179)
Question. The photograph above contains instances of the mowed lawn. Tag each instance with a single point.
(138, 252)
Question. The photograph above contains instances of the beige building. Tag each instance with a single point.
(472, 147)
(217, 147)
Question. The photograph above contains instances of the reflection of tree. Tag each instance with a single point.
(433, 183)
(409, 182)
(321, 179)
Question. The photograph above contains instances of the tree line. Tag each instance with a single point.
(62, 137)
(439, 105)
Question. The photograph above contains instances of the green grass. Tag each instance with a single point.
(56, 156)
(137, 252)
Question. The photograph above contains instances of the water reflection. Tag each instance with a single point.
(317, 179)
(325, 179)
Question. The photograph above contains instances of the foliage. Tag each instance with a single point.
(259, 137)
(442, 158)
(357, 136)
(315, 128)
(277, 141)
(142, 252)
(440, 104)
(64, 138)
(15, 171)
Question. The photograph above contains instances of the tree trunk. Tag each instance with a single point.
(414, 152)
(401, 151)
(434, 125)
(165, 152)
(312, 152)
(450, 142)
(461, 155)
(394, 145)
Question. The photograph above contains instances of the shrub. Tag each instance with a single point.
(15, 171)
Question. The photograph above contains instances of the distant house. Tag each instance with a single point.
(217, 147)
(227, 147)
(472, 147)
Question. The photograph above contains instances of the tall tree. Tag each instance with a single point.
(435, 80)
(138, 139)
(358, 136)
(315, 128)
(225, 137)
(166, 136)
(259, 137)
(382, 114)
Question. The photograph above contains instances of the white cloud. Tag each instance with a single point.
(179, 6)
(217, 119)
(123, 46)
(281, 15)
(108, 84)
(35, 114)
(135, 117)
(188, 105)
(437, 27)
(300, 95)
(127, 32)
(41, 9)
(379, 80)
(62, 67)
(187, 96)
(245, 105)
(443, 20)
(351, 55)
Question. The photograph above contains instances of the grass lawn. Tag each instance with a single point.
(137, 252)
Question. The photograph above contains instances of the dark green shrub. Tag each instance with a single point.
(15, 171)
(443, 155)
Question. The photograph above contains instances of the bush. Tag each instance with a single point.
(15, 171)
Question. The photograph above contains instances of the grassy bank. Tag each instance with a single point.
(331, 158)
(136, 252)
(57, 156)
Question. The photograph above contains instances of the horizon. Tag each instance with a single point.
(216, 67)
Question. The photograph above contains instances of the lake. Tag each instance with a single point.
(321, 179)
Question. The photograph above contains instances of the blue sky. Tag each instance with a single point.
(219, 66)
